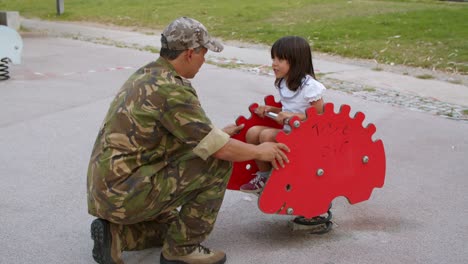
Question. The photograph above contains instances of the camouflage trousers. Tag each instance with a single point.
(185, 218)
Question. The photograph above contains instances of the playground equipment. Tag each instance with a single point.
(332, 155)
(11, 46)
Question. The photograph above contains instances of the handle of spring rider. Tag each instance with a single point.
(273, 116)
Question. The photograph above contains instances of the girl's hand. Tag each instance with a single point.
(283, 116)
(261, 110)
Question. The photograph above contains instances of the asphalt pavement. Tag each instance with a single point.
(56, 99)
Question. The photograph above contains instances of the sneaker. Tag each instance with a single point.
(100, 233)
(200, 255)
(255, 185)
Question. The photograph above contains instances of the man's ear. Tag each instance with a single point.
(189, 54)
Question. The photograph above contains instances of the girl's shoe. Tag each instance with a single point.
(255, 185)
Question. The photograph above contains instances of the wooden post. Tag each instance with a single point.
(60, 7)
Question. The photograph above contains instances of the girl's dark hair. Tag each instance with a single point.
(296, 51)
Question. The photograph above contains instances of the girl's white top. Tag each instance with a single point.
(297, 102)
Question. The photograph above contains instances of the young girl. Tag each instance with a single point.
(298, 90)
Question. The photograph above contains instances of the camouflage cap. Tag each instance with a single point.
(186, 33)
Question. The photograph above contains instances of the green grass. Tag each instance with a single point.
(422, 33)
(456, 81)
(425, 76)
(369, 89)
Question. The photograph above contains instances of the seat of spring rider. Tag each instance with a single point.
(331, 155)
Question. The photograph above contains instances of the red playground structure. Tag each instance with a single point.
(331, 155)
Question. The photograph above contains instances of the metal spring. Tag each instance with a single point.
(4, 69)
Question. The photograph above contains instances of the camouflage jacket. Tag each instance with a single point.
(154, 120)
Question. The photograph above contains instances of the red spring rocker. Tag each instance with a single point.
(332, 155)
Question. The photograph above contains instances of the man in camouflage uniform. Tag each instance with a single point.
(159, 168)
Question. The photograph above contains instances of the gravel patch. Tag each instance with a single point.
(387, 96)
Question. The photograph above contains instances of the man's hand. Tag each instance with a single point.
(274, 153)
(233, 129)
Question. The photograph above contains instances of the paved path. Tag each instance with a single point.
(55, 103)
(433, 96)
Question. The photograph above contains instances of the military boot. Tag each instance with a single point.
(100, 233)
(201, 255)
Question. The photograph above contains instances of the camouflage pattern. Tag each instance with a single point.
(142, 166)
(185, 33)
